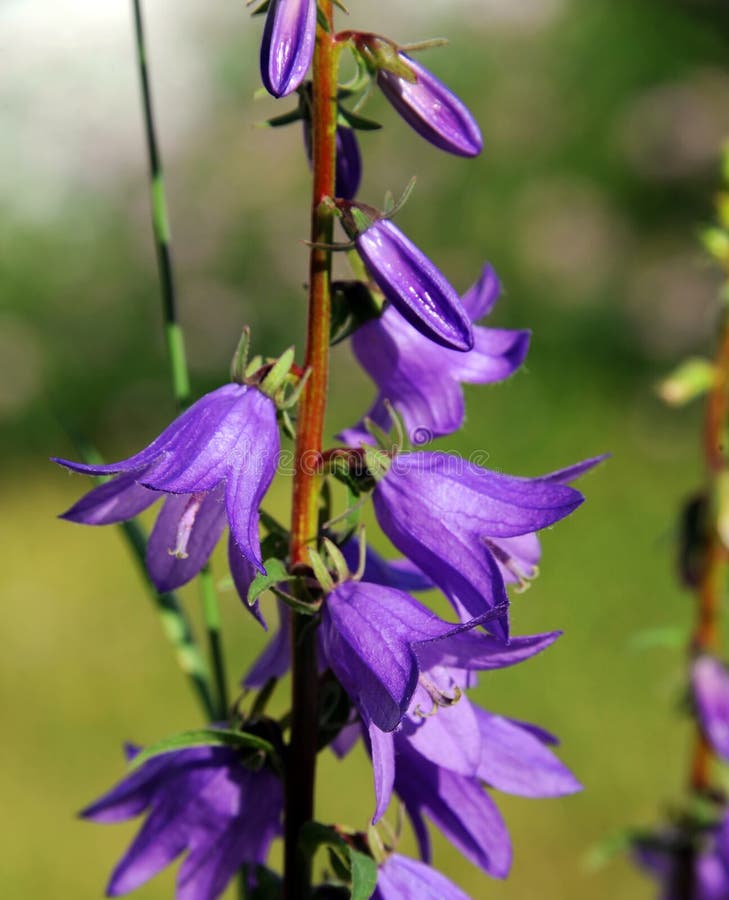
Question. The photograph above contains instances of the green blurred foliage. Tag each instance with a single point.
(602, 126)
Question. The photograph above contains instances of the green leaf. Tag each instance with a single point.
(275, 574)
(359, 123)
(203, 737)
(364, 874)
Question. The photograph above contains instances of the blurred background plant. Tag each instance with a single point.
(603, 123)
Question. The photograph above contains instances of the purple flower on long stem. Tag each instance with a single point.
(429, 107)
(408, 279)
(287, 47)
(450, 517)
(422, 380)
(710, 682)
(202, 801)
(400, 878)
(214, 463)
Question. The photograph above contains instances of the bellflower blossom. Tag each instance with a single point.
(214, 462)
(450, 516)
(200, 801)
(710, 682)
(429, 107)
(422, 380)
(287, 47)
(407, 278)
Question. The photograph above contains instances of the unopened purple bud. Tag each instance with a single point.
(409, 280)
(349, 160)
(432, 110)
(288, 45)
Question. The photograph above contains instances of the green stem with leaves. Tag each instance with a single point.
(175, 338)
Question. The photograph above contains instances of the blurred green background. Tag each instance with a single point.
(602, 122)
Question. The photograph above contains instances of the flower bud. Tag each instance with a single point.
(288, 45)
(431, 109)
(348, 173)
(408, 279)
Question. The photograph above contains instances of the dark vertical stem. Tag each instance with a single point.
(174, 337)
(301, 762)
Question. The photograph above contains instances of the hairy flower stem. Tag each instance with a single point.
(174, 335)
(711, 588)
(301, 763)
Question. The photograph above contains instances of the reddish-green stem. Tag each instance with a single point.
(711, 588)
(301, 765)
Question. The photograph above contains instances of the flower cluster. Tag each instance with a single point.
(400, 673)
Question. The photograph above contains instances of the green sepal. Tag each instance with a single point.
(204, 737)
(276, 573)
(378, 53)
(262, 9)
(357, 122)
(321, 20)
(378, 462)
(337, 560)
(355, 866)
(288, 118)
(321, 572)
(303, 607)
(275, 378)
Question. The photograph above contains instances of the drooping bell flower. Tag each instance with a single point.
(447, 514)
(710, 684)
(430, 108)
(407, 278)
(369, 635)
(213, 463)
(287, 47)
(400, 878)
(201, 801)
(422, 380)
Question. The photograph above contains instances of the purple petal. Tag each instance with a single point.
(161, 839)
(186, 524)
(458, 806)
(479, 299)
(382, 750)
(470, 649)
(252, 471)
(514, 761)
(115, 501)
(710, 681)
(411, 282)
(565, 476)
(186, 427)
(447, 736)
(496, 355)
(226, 442)
(401, 878)
(367, 635)
(243, 574)
(288, 45)
(345, 741)
(349, 164)
(432, 110)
